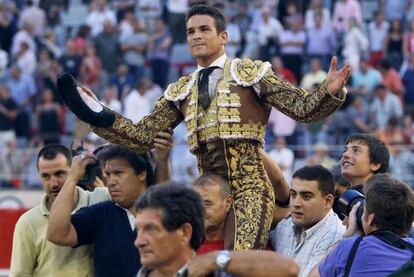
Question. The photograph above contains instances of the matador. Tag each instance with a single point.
(227, 134)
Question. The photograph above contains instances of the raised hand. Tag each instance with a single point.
(337, 79)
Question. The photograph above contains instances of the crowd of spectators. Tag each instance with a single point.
(127, 52)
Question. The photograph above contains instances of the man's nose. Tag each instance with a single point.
(139, 241)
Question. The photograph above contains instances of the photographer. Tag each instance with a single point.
(110, 224)
(387, 218)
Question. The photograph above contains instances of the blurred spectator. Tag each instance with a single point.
(395, 10)
(282, 126)
(100, 14)
(34, 16)
(365, 79)
(355, 44)
(377, 34)
(122, 7)
(134, 48)
(70, 60)
(243, 20)
(176, 10)
(313, 228)
(384, 106)
(49, 42)
(391, 132)
(136, 103)
(123, 80)
(317, 7)
(402, 162)
(234, 39)
(153, 91)
(149, 11)
(108, 51)
(24, 35)
(408, 41)
(12, 164)
(284, 157)
(282, 72)
(292, 43)
(8, 113)
(394, 44)
(126, 25)
(315, 77)
(408, 83)
(46, 72)
(391, 79)
(320, 41)
(269, 32)
(90, 68)
(218, 201)
(110, 99)
(22, 90)
(82, 38)
(344, 10)
(26, 60)
(321, 156)
(158, 53)
(408, 129)
(49, 118)
(358, 116)
(53, 10)
(7, 26)
(4, 60)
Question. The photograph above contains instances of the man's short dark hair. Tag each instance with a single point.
(50, 151)
(218, 17)
(320, 174)
(392, 203)
(211, 178)
(139, 162)
(378, 152)
(179, 205)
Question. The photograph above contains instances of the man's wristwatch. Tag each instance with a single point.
(222, 260)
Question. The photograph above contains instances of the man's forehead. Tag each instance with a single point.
(60, 161)
(357, 143)
(301, 185)
(196, 21)
(149, 215)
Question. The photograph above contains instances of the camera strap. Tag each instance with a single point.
(387, 237)
(352, 256)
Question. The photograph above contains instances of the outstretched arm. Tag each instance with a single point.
(111, 125)
(301, 105)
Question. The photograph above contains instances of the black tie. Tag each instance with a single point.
(203, 95)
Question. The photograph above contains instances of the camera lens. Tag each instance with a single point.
(348, 200)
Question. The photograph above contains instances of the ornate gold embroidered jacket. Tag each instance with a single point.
(236, 111)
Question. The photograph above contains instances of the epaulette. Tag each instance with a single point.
(247, 72)
(180, 89)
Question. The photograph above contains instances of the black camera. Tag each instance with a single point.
(91, 170)
(348, 200)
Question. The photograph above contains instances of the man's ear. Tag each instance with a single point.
(375, 166)
(142, 176)
(224, 37)
(371, 219)
(329, 200)
(185, 232)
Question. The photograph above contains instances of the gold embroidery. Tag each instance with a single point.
(253, 195)
(140, 137)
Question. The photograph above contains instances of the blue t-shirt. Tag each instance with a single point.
(374, 258)
(107, 225)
